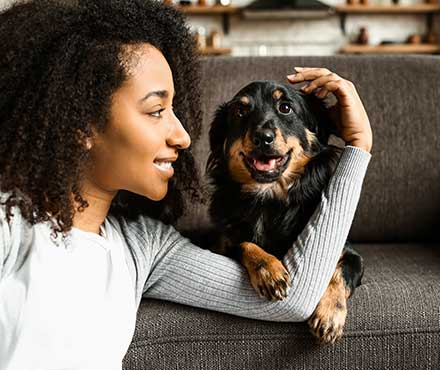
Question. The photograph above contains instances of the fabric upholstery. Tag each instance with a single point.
(393, 323)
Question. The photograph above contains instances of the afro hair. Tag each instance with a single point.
(60, 64)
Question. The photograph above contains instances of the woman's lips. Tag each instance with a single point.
(165, 166)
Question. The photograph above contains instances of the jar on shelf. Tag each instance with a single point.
(200, 36)
(214, 39)
(223, 2)
(414, 39)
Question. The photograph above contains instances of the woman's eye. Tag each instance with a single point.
(157, 113)
(285, 108)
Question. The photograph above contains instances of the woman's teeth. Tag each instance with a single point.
(162, 165)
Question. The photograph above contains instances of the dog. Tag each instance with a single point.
(269, 163)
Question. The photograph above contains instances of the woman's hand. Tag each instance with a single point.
(349, 113)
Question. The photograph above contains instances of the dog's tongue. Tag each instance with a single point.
(265, 165)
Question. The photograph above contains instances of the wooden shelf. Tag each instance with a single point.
(223, 11)
(388, 9)
(391, 49)
(215, 51)
(426, 9)
(209, 10)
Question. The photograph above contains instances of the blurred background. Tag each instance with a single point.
(312, 27)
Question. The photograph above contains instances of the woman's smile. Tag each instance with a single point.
(165, 166)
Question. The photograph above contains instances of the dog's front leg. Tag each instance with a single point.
(268, 275)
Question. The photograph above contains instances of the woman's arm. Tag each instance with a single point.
(184, 273)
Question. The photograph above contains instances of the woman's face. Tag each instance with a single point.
(142, 138)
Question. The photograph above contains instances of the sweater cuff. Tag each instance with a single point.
(353, 164)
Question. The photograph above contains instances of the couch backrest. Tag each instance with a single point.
(401, 194)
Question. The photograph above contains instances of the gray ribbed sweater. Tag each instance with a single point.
(165, 265)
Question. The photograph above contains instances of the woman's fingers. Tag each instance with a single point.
(320, 78)
(321, 82)
(307, 74)
(322, 93)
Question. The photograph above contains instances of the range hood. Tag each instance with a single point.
(283, 9)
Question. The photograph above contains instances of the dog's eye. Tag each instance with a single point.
(285, 108)
(240, 111)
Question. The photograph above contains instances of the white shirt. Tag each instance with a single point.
(78, 310)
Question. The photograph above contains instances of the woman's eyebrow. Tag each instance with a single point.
(160, 93)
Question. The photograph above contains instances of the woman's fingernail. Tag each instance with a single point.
(292, 75)
(298, 68)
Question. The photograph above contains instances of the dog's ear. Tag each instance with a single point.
(217, 137)
(322, 122)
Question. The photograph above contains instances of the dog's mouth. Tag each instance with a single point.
(266, 168)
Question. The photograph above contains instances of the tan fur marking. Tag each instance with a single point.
(328, 320)
(237, 168)
(277, 94)
(298, 161)
(311, 137)
(267, 274)
(245, 100)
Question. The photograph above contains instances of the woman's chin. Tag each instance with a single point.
(157, 195)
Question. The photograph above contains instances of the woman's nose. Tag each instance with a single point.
(178, 136)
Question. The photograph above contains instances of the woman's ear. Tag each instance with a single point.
(217, 136)
(84, 140)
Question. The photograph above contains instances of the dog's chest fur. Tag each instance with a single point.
(272, 224)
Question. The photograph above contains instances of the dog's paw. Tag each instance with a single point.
(267, 273)
(327, 322)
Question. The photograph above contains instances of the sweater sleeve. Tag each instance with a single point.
(184, 273)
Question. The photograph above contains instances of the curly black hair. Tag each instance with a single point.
(60, 64)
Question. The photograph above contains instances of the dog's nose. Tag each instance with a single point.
(264, 138)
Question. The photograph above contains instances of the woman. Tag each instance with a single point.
(98, 103)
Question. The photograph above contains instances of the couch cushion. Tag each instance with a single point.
(393, 323)
(401, 196)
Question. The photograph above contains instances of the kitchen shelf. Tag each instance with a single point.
(215, 51)
(220, 10)
(427, 9)
(391, 49)
(388, 9)
(215, 9)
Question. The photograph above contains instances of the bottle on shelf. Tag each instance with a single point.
(363, 37)
(214, 39)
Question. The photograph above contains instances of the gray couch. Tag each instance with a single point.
(394, 317)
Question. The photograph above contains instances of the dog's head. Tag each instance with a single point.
(265, 136)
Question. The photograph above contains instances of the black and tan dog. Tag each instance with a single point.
(269, 163)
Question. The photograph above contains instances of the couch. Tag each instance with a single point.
(394, 317)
